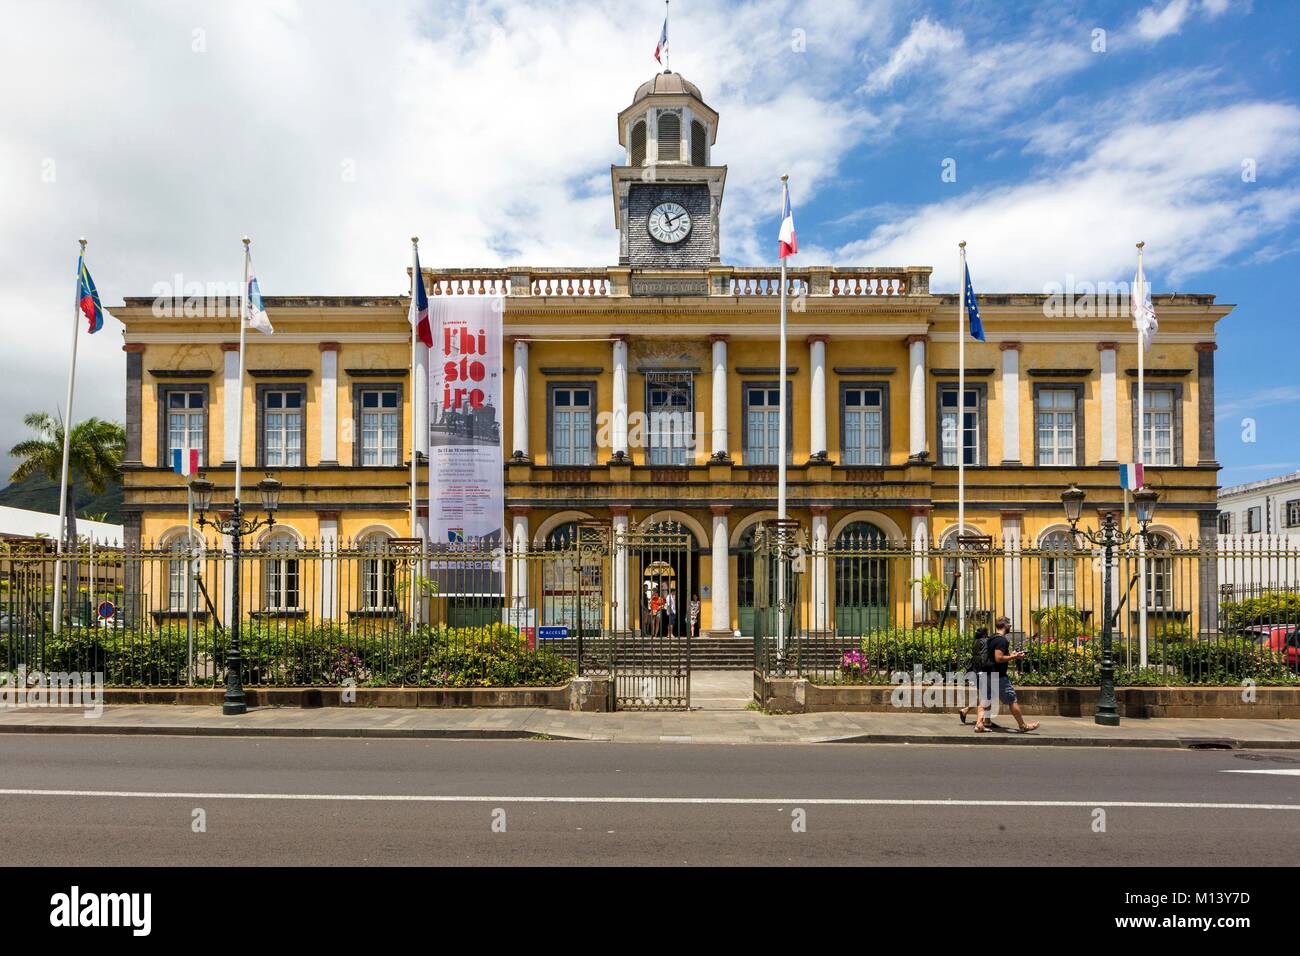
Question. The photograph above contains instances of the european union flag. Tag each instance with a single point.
(973, 310)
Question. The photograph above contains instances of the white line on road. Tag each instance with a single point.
(1284, 773)
(683, 801)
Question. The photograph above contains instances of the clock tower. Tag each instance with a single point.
(667, 196)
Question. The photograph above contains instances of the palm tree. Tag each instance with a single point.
(95, 450)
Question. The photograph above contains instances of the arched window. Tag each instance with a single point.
(281, 582)
(1056, 570)
(670, 136)
(638, 143)
(378, 574)
(184, 549)
(970, 579)
(861, 579)
(699, 144)
(1160, 573)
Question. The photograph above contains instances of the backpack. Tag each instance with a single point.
(981, 657)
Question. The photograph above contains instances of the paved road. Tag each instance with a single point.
(130, 800)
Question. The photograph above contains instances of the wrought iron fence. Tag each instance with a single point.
(867, 608)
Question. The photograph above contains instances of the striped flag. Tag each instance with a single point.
(662, 45)
(420, 305)
(185, 461)
(787, 244)
(1132, 476)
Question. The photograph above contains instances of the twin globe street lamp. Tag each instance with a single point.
(237, 527)
(1109, 537)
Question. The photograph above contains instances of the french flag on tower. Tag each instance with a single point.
(787, 244)
(662, 45)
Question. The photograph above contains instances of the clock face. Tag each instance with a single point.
(669, 222)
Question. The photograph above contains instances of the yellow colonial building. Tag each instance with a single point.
(645, 392)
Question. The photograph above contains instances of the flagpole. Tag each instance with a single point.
(668, 56)
(67, 437)
(191, 576)
(415, 530)
(961, 438)
(1141, 293)
(239, 399)
(781, 449)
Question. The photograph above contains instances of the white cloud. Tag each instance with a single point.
(925, 39)
(1174, 184)
(1157, 23)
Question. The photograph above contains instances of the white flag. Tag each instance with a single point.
(255, 313)
(1144, 314)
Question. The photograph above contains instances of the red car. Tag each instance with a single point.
(1280, 638)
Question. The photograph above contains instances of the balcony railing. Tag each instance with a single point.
(729, 281)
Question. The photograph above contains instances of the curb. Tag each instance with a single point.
(470, 733)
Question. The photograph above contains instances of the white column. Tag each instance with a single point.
(720, 614)
(817, 398)
(329, 402)
(916, 380)
(329, 572)
(519, 566)
(622, 613)
(1109, 411)
(1011, 571)
(520, 429)
(230, 399)
(720, 449)
(620, 397)
(1011, 401)
(820, 578)
(920, 545)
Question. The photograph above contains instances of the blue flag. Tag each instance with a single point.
(973, 310)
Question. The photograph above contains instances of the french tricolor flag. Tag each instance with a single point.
(185, 461)
(662, 45)
(1132, 476)
(787, 244)
(420, 305)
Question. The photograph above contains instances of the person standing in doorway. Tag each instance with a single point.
(670, 611)
(695, 615)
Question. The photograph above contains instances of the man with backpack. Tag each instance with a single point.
(998, 654)
(981, 666)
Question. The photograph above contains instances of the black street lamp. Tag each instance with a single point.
(1108, 538)
(237, 527)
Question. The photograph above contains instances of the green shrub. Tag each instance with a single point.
(1060, 622)
(929, 648)
(1271, 607)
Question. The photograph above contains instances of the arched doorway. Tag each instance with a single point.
(861, 579)
(569, 586)
(664, 569)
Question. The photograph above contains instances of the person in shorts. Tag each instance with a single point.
(1001, 653)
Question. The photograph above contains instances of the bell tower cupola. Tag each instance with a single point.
(667, 194)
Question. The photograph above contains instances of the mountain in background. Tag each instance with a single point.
(41, 494)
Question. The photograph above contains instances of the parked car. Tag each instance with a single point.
(1281, 638)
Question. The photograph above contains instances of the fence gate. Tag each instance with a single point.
(780, 561)
(651, 659)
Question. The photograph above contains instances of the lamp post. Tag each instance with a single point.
(237, 527)
(1109, 537)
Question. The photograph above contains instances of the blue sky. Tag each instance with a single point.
(332, 131)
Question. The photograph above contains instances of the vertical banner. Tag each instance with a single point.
(466, 473)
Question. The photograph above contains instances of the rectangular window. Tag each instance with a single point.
(185, 422)
(571, 425)
(1253, 522)
(968, 429)
(1158, 427)
(282, 428)
(1056, 426)
(762, 425)
(1225, 522)
(670, 406)
(381, 425)
(1293, 513)
(864, 417)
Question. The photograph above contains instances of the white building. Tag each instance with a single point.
(21, 523)
(1259, 536)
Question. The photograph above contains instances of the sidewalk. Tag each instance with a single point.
(716, 727)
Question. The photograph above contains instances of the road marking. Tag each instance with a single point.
(682, 801)
(1284, 773)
